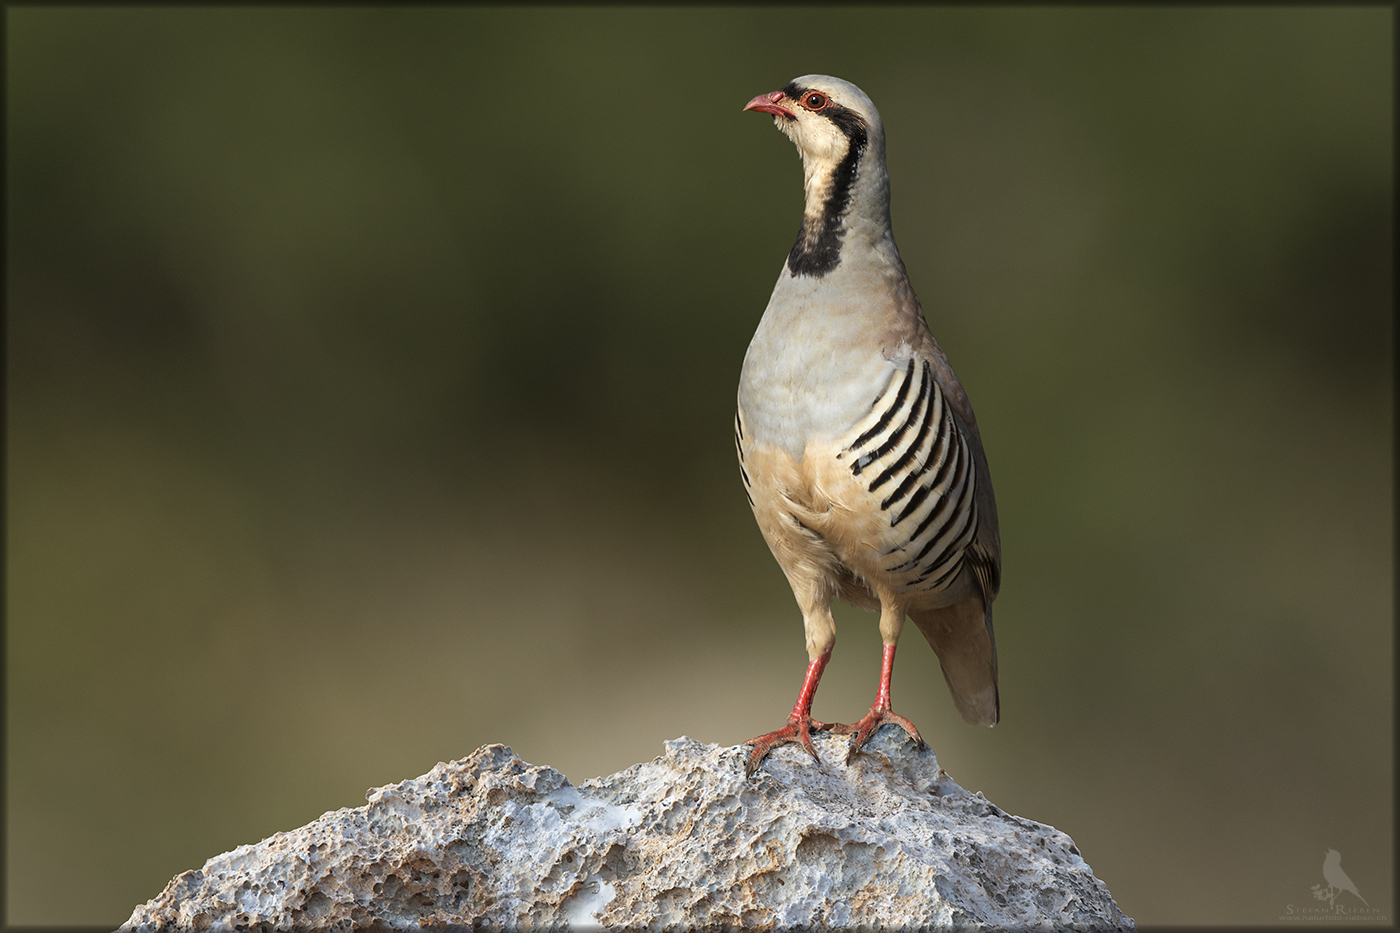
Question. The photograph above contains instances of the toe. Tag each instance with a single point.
(907, 726)
(867, 729)
(806, 739)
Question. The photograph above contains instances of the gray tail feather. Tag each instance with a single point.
(961, 636)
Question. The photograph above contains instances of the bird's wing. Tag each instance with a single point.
(962, 635)
(986, 559)
(915, 477)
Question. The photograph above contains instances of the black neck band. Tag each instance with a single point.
(818, 247)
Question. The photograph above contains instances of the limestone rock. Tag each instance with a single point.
(683, 841)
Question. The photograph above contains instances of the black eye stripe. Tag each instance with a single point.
(847, 121)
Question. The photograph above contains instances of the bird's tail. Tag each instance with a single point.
(962, 637)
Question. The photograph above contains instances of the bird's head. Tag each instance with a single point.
(838, 133)
(823, 116)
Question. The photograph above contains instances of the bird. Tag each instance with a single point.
(1332, 871)
(858, 449)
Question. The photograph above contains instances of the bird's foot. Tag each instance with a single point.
(866, 727)
(798, 731)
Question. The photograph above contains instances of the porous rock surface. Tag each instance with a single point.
(683, 841)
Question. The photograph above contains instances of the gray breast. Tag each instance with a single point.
(810, 374)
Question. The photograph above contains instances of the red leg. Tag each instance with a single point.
(800, 721)
(880, 713)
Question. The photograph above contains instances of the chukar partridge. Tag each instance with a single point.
(858, 448)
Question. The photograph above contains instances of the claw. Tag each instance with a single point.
(798, 731)
(866, 727)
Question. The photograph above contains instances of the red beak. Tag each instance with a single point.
(768, 103)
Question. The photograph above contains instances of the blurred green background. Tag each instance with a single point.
(370, 384)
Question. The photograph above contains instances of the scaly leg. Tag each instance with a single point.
(800, 721)
(880, 713)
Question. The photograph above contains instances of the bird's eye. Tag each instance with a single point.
(814, 101)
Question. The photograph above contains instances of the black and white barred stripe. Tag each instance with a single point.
(739, 446)
(911, 449)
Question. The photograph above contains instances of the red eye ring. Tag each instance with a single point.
(816, 100)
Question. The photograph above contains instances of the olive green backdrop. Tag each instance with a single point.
(370, 384)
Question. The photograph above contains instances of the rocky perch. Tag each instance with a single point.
(683, 841)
